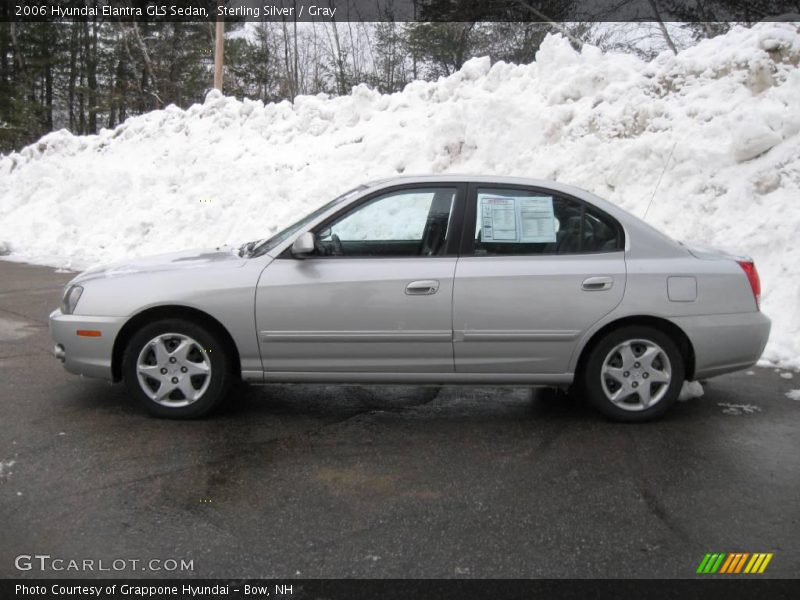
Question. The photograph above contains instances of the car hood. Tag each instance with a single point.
(221, 257)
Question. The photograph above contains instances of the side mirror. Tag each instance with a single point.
(303, 245)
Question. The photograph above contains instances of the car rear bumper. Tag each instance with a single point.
(82, 354)
(725, 343)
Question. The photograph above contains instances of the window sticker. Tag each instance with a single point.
(517, 220)
(499, 219)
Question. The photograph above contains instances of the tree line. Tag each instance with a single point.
(87, 75)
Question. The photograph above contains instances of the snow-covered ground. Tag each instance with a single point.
(722, 117)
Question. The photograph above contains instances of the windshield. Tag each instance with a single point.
(260, 247)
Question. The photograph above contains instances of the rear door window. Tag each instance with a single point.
(519, 222)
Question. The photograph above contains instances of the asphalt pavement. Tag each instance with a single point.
(345, 481)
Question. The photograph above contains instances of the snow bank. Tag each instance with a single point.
(690, 389)
(726, 111)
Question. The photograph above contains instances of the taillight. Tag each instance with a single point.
(749, 268)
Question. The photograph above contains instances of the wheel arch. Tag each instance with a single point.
(171, 311)
(664, 325)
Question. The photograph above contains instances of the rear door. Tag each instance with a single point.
(375, 297)
(537, 269)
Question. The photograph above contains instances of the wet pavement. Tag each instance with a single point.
(345, 481)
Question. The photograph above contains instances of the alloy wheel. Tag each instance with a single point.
(636, 374)
(173, 370)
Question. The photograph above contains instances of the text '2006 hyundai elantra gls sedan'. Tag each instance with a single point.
(424, 280)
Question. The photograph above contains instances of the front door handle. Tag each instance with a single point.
(424, 287)
(597, 284)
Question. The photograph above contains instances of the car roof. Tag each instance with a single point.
(489, 179)
(458, 178)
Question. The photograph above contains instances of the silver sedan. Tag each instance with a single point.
(424, 280)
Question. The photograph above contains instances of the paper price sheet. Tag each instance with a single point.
(517, 220)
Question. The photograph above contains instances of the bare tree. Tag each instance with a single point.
(664, 32)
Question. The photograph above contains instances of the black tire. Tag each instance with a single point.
(213, 353)
(632, 410)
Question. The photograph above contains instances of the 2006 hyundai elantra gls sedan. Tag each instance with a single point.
(424, 280)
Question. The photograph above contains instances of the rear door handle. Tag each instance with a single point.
(424, 287)
(597, 284)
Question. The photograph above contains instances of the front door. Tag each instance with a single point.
(374, 297)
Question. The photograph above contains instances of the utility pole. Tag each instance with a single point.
(219, 46)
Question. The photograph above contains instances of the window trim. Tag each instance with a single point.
(471, 214)
(457, 220)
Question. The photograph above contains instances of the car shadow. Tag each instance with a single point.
(320, 401)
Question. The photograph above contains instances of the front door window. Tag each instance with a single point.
(410, 222)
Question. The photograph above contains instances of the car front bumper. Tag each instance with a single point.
(82, 354)
(725, 343)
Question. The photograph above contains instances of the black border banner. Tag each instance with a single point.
(406, 589)
(744, 11)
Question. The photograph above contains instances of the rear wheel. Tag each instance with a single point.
(177, 369)
(634, 374)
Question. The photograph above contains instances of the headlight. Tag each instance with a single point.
(70, 300)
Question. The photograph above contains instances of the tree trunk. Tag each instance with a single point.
(287, 62)
(81, 78)
(219, 52)
(121, 98)
(414, 54)
(295, 74)
(91, 68)
(48, 75)
(112, 99)
(73, 55)
(341, 77)
(175, 91)
(148, 73)
(663, 27)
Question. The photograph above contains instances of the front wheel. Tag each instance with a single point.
(177, 369)
(634, 374)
